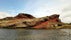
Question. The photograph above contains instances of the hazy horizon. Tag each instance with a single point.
(37, 8)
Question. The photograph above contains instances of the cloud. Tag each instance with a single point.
(67, 20)
(40, 8)
(66, 11)
(4, 14)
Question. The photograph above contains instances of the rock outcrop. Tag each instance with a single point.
(22, 15)
(19, 16)
(28, 21)
(49, 22)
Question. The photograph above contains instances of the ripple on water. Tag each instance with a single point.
(26, 34)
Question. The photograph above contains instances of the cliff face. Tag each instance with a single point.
(50, 22)
(28, 21)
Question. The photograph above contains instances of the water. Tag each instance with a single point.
(29, 34)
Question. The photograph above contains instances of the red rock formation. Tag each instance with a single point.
(31, 22)
(52, 19)
(22, 15)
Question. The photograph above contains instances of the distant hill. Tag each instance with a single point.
(28, 21)
(19, 16)
(22, 15)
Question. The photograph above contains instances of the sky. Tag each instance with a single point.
(37, 8)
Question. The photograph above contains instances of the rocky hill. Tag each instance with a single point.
(22, 15)
(28, 21)
(19, 16)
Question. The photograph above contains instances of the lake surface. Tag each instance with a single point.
(30, 34)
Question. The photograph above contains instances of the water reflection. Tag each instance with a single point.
(27, 34)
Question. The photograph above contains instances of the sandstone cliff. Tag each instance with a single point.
(28, 21)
